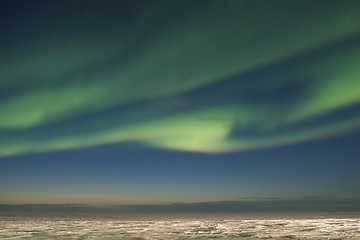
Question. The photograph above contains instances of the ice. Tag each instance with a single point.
(177, 226)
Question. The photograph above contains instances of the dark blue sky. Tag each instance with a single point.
(119, 174)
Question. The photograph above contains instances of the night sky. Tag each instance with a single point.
(162, 102)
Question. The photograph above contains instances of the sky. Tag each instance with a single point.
(179, 102)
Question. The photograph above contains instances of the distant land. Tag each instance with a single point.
(245, 205)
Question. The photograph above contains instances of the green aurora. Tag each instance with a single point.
(203, 76)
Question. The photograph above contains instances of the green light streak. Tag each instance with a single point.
(49, 83)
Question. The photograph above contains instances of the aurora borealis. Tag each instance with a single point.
(187, 78)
